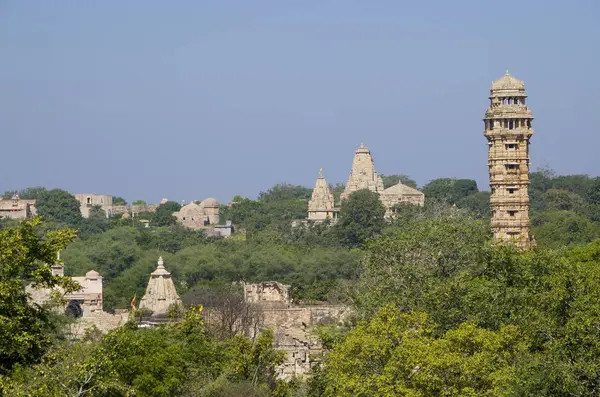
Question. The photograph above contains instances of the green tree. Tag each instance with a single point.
(577, 184)
(422, 267)
(32, 193)
(563, 228)
(7, 195)
(449, 190)
(285, 191)
(139, 202)
(59, 206)
(563, 200)
(361, 218)
(116, 200)
(25, 259)
(397, 354)
(391, 180)
(95, 223)
(164, 214)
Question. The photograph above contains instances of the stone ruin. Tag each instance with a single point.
(84, 305)
(293, 326)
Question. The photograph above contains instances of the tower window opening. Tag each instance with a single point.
(511, 125)
(528, 124)
(505, 123)
(491, 124)
(511, 190)
(511, 146)
(89, 200)
(512, 166)
(516, 101)
(512, 213)
(511, 101)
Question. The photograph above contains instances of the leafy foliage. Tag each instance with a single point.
(25, 259)
(361, 218)
(391, 180)
(164, 214)
(59, 206)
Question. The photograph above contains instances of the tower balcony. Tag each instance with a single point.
(509, 223)
(510, 200)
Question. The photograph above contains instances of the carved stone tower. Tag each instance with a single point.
(362, 175)
(160, 292)
(321, 205)
(508, 130)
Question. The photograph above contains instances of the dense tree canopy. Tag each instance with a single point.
(391, 180)
(361, 218)
(59, 206)
(25, 259)
(164, 214)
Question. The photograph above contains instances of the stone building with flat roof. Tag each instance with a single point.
(17, 208)
(508, 131)
(88, 201)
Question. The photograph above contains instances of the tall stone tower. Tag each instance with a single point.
(321, 205)
(508, 130)
(362, 175)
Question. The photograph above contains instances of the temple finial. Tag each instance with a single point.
(508, 74)
(320, 172)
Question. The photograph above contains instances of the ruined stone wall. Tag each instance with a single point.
(101, 320)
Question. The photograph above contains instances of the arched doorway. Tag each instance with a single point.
(74, 309)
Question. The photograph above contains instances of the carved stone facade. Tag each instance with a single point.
(199, 216)
(293, 326)
(268, 294)
(160, 292)
(321, 206)
(82, 303)
(364, 176)
(88, 201)
(508, 131)
(17, 208)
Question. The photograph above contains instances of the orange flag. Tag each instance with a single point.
(133, 302)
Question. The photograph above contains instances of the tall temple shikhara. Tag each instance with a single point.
(508, 130)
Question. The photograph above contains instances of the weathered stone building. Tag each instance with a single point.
(321, 206)
(199, 216)
(160, 292)
(17, 208)
(508, 131)
(88, 201)
(292, 325)
(82, 303)
(364, 176)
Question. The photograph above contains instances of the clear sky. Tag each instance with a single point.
(192, 99)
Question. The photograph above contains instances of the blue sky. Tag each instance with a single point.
(192, 99)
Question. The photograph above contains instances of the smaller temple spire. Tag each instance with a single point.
(160, 292)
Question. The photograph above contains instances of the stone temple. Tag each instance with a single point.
(508, 130)
(321, 205)
(160, 292)
(364, 176)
